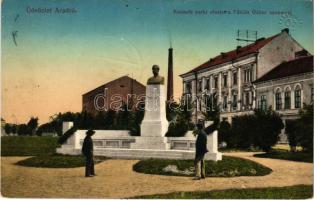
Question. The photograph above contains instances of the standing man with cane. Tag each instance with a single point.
(87, 151)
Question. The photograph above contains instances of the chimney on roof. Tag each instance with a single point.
(170, 76)
(285, 30)
(238, 49)
(223, 54)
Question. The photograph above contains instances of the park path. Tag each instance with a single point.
(116, 179)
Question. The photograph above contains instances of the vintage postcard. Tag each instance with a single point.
(209, 99)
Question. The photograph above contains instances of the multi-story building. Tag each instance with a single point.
(113, 95)
(227, 78)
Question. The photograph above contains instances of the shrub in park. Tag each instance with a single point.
(305, 128)
(291, 132)
(8, 128)
(260, 129)
(241, 135)
(300, 131)
(180, 116)
(268, 125)
(224, 132)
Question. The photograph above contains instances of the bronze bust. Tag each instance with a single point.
(156, 79)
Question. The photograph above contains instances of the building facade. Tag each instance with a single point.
(113, 95)
(227, 79)
(287, 88)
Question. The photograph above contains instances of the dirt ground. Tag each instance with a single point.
(116, 179)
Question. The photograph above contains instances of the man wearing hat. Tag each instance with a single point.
(87, 151)
(201, 150)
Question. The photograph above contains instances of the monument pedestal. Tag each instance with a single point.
(154, 125)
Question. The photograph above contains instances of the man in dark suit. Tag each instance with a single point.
(201, 150)
(87, 151)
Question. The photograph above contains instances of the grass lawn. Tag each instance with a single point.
(292, 192)
(55, 161)
(28, 145)
(227, 167)
(285, 155)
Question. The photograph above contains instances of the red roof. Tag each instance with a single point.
(293, 67)
(234, 54)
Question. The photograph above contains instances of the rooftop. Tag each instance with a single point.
(297, 66)
(234, 54)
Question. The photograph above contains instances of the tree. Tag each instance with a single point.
(224, 132)
(241, 134)
(32, 125)
(305, 128)
(181, 121)
(123, 118)
(136, 118)
(291, 132)
(268, 125)
(260, 129)
(14, 128)
(8, 128)
(23, 129)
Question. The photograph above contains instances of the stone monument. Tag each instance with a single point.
(154, 125)
(152, 143)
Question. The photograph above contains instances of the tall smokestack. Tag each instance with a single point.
(170, 76)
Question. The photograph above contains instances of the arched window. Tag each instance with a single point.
(278, 100)
(287, 99)
(297, 97)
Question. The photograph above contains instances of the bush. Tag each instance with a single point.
(289, 192)
(305, 128)
(23, 129)
(296, 156)
(300, 131)
(28, 146)
(260, 130)
(181, 120)
(241, 132)
(291, 132)
(227, 167)
(54, 161)
(224, 132)
(267, 127)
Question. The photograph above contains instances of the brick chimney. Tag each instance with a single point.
(285, 30)
(170, 76)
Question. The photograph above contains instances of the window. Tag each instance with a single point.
(297, 98)
(225, 103)
(235, 78)
(247, 98)
(216, 82)
(225, 80)
(207, 87)
(234, 102)
(247, 75)
(278, 100)
(287, 100)
(263, 102)
(200, 85)
(188, 87)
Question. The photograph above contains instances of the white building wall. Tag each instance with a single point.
(282, 48)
